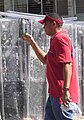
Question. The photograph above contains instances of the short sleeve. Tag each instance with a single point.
(63, 50)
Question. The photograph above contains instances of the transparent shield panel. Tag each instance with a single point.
(80, 47)
(22, 75)
(12, 70)
(38, 86)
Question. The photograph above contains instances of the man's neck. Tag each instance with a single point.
(56, 31)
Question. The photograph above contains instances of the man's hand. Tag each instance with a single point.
(28, 38)
(66, 98)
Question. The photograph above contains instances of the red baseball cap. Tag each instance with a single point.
(50, 19)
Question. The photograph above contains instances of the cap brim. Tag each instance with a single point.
(41, 21)
(48, 18)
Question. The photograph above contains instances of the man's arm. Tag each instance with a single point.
(39, 52)
(67, 73)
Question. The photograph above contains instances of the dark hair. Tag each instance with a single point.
(56, 16)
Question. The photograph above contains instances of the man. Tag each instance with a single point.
(60, 68)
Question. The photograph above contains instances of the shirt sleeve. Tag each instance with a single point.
(63, 50)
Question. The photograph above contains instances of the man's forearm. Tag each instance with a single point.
(39, 52)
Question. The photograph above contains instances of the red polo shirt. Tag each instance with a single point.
(60, 52)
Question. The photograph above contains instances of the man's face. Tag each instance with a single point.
(48, 27)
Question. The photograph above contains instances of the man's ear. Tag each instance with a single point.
(54, 23)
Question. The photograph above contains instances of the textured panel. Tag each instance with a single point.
(80, 39)
(23, 85)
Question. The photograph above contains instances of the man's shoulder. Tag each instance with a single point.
(63, 36)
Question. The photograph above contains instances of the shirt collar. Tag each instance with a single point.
(52, 37)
